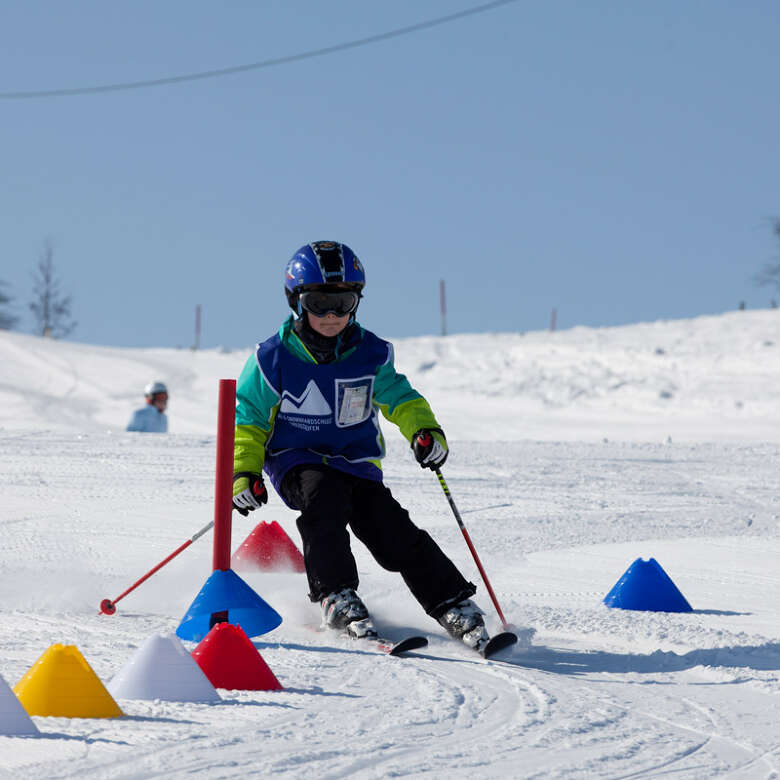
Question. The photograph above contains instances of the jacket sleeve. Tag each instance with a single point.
(399, 402)
(257, 403)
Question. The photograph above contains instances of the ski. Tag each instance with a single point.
(388, 646)
(371, 640)
(496, 643)
(415, 641)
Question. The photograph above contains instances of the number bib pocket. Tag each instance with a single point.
(353, 400)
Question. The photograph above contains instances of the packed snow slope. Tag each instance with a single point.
(704, 379)
(573, 454)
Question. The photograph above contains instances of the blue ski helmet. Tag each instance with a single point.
(319, 265)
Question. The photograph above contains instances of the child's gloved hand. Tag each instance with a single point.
(430, 447)
(248, 492)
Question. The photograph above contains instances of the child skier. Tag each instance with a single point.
(306, 414)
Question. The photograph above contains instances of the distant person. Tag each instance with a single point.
(152, 418)
(307, 414)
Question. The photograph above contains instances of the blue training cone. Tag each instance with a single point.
(226, 598)
(646, 586)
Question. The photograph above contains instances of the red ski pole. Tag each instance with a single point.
(108, 607)
(471, 547)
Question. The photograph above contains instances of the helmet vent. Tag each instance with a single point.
(330, 259)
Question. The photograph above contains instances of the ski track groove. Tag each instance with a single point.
(710, 740)
(709, 733)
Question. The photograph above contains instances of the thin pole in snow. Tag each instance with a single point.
(197, 327)
(443, 302)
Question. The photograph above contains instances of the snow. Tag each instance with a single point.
(573, 454)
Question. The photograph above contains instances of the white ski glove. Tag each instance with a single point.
(249, 492)
(430, 448)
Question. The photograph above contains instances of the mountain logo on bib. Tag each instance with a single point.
(311, 402)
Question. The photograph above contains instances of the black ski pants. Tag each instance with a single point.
(330, 501)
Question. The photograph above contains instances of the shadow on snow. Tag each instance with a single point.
(758, 657)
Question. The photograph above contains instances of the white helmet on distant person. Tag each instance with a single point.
(155, 387)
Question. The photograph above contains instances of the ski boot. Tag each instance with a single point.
(464, 621)
(344, 611)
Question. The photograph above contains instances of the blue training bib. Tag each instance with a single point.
(326, 411)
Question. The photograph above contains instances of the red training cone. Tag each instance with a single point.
(268, 548)
(230, 660)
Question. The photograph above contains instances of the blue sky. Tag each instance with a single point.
(618, 161)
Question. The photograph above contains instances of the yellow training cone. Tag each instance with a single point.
(62, 684)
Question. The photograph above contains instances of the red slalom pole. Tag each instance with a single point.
(108, 606)
(471, 547)
(223, 490)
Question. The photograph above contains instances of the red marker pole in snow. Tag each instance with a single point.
(108, 606)
(223, 495)
(223, 491)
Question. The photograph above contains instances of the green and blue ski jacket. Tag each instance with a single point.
(293, 410)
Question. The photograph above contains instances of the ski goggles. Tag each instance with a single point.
(319, 303)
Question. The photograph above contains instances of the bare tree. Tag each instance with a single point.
(770, 273)
(7, 320)
(52, 310)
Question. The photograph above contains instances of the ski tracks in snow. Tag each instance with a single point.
(602, 693)
(353, 713)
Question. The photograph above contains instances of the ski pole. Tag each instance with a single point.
(108, 607)
(471, 547)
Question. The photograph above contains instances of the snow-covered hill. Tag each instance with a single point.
(573, 453)
(709, 378)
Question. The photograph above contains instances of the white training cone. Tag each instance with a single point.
(163, 669)
(14, 720)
